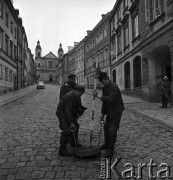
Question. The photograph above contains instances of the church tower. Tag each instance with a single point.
(38, 50)
(60, 51)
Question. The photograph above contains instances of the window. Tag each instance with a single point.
(1, 10)
(6, 74)
(0, 71)
(10, 75)
(135, 26)
(126, 36)
(125, 3)
(106, 54)
(1, 38)
(38, 64)
(127, 75)
(137, 71)
(119, 41)
(105, 31)
(15, 33)
(11, 49)
(50, 64)
(6, 20)
(15, 52)
(6, 44)
(11, 27)
(119, 14)
(38, 54)
(153, 9)
(114, 75)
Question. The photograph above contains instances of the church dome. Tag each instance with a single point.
(38, 45)
(60, 48)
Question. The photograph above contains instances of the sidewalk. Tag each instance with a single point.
(151, 111)
(13, 96)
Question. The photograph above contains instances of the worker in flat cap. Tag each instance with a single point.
(165, 90)
(68, 114)
(112, 108)
(68, 86)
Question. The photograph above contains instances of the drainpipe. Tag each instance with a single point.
(17, 57)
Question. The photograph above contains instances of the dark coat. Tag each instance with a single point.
(69, 105)
(112, 102)
(67, 87)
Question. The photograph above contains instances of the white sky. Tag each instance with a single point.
(55, 21)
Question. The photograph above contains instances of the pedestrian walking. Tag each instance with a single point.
(112, 108)
(165, 90)
(68, 86)
(68, 114)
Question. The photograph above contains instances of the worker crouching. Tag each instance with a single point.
(68, 111)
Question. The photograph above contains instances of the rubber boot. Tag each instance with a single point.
(63, 146)
(109, 151)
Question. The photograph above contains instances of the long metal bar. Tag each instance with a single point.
(93, 106)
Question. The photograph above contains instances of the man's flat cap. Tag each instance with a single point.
(71, 76)
(101, 75)
(80, 88)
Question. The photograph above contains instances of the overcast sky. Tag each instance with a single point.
(55, 21)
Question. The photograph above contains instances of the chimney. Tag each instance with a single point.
(88, 32)
(76, 43)
(103, 15)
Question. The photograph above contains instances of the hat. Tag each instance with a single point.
(80, 88)
(71, 76)
(101, 76)
(165, 77)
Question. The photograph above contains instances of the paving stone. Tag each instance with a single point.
(50, 175)
(43, 163)
(38, 174)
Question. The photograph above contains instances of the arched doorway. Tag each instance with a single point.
(127, 75)
(50, 77)
(114, 75)
(160, 66)
(137, 72)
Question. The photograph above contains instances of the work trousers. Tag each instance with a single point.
(111, 127)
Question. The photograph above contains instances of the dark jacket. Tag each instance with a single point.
(112, 102)
(69, 105)
(67, 87)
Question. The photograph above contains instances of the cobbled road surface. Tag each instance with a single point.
(29, 143)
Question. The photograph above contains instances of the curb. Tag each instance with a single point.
(165, 125)
(17, 98)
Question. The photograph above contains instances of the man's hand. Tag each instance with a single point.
(95, 93)
(72, 127)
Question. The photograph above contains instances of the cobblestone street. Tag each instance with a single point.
(29, 141)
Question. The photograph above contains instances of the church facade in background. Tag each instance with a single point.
(46, 65)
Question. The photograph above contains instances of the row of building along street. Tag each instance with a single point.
(133, 43)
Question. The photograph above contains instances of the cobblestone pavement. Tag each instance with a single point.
(29, 141)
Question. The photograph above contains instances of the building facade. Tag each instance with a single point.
(97, 50)
(79, 62)
(30, 66)
(141, 51)
(13, 45)
(46, 65)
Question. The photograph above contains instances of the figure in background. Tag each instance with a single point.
(165, 90)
